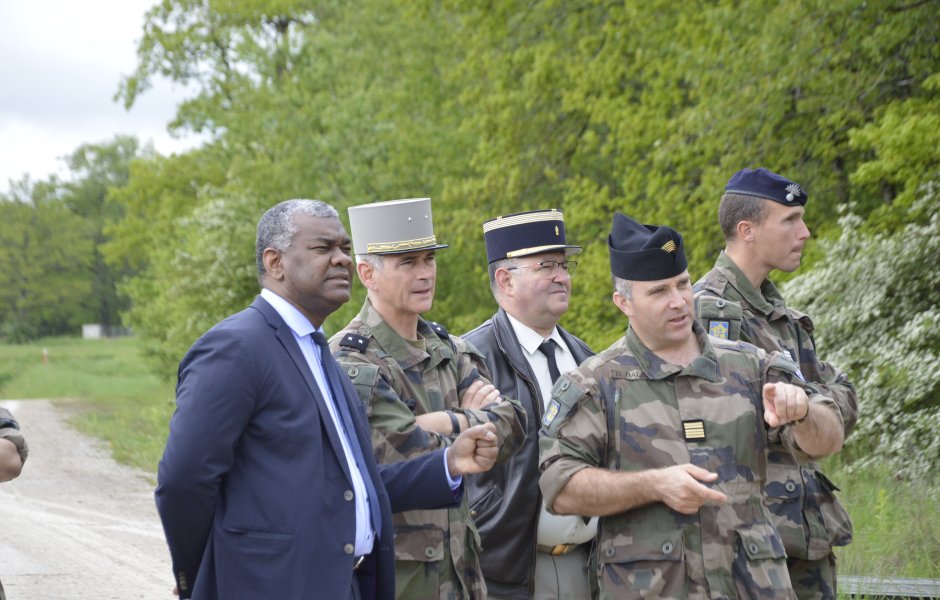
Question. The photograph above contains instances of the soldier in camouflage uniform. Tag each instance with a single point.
(761, 216)
(420, 386)
(13, 452)
(665, 433)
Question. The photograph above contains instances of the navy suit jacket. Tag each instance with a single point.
(253, 488)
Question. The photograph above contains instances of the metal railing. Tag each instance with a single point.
(854, 586)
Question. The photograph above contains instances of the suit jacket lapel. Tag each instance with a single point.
(286, 337)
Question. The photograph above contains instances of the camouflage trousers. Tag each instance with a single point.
(813, 579)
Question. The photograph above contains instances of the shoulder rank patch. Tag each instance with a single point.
(550, 413)
(782, 361)
(693, 430)
(354, 341)
(440, 330)
(719, 329)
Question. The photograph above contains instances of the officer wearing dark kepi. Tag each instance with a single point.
(528, 553)
(761, 217)
(665, 435)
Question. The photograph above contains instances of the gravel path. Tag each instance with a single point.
(76, 524)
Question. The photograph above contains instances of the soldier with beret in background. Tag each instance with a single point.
(421, 386)
(761, 217)
(665, 433)
(13, 452)
(528, 552)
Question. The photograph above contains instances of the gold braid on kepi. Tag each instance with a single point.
(393, 227)
(525, 234)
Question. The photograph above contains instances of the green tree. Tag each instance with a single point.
(44, 277)
(94, 170)
(875, 297)
(648, 108)
(161, 194)
(333, 104)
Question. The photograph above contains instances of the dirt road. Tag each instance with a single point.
(76, 524)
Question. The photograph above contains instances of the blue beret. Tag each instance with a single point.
(526, 233)
(768, 185)
(644, 252)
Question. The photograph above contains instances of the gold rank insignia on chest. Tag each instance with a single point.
(719, 329)
(693, 430)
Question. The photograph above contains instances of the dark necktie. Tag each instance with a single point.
(548, 349)
(331, 370)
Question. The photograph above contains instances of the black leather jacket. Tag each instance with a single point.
(505, 501)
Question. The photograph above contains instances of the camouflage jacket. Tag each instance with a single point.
(626, 409)
(10, 430)
(436, 551)
(800, 497)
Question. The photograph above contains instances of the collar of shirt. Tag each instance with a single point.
(704, 366)
(299, 324)
(762, 300)
(530, 340)
(435, 351)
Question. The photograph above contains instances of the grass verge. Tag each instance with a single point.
(122, 403)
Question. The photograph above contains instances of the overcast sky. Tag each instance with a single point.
(60, 65)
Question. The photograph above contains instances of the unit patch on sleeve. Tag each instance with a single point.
(550, 413)
(719, 329)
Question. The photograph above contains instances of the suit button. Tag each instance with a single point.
(348, 495)
(667, 548)
(349, 548)
(353, 372)
(429, 551)
(473, 514)
(720, 303)
(789, 486)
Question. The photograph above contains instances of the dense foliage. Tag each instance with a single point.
(496, 107)
(54, 276)
(876, 298)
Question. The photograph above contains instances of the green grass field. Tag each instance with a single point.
(120, 401)
(897, 528)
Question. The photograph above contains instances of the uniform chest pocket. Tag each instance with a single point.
(419, 543)
(760, 557)
(644, 565)
(720, 318)
(487, 503)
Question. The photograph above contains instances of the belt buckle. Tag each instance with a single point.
(359, 562)
(560, 549)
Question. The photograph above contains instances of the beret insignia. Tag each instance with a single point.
(794, 192)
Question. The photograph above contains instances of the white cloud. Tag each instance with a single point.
(60, 65)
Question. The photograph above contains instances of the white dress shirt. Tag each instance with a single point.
(302, 328)
(552, 529)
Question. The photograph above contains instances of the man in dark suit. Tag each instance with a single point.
(267, 488)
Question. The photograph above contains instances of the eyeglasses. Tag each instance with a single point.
(551, 267)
